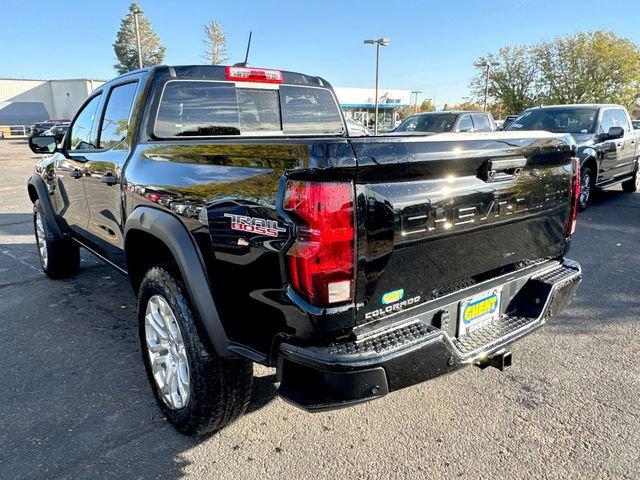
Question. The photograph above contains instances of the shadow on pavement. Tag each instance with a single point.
(76, 401)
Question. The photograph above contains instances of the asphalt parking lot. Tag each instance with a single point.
(76, 403)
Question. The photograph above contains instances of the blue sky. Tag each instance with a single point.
(433, 43)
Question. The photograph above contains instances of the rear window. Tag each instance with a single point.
(206, 109)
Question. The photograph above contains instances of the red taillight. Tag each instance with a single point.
(321, 261)
(575, 196)
(248, 74)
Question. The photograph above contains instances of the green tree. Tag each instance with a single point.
(513, 83)
(427, 105)
(589, 67)
(216, 43)
(126, 48)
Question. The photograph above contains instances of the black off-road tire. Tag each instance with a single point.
(633, 184)
(586, 179)
(219, 389)
(61, 257)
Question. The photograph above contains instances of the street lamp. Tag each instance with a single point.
(136, 12)
(416, 92)
(486, 64)
(381, 42)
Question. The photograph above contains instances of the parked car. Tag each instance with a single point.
(40, 127)
(57, 131)
(608, 147)
(636, 124)
(253, 228)
(449, 121)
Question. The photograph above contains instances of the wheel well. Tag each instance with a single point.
(144, 251)
(593, 165)
(33, 194)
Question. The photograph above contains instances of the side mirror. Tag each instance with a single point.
(615, 132)
(42, 144)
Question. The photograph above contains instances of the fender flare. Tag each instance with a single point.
(176, 237)
(588, 155)
(42, 192)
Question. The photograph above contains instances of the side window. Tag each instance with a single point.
(482, 123)
(607, 121)
(116, 116)
(465, 124)
(620, 119)
(83, 134)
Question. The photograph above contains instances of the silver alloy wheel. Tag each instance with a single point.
(41, 239)
(167, 353)
(585, 189)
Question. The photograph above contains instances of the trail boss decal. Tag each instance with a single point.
(260, 226)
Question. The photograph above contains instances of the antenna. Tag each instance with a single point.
(246, 57)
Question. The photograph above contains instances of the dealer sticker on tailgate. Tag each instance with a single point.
(479, 310)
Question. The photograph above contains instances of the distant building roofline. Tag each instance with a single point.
(54, 79)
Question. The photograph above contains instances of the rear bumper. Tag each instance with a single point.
(322, 378)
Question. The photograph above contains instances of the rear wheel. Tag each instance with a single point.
(586, 186)
(197, 391)
(633, 184)
(59, 257)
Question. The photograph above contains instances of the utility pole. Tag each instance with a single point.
(486, 64)
(378, 43)
(135, 20)
(416, 92)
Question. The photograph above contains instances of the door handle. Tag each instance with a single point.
(75, 173)
(109, 179)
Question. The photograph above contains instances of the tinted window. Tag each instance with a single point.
(83, 134)
(620, 118)
(309, 111)
(259, 110)
(607, 121)
(482, 123)
(116, 116)
(198, 109)
(428, 122)
(558, 120)
(465, 124)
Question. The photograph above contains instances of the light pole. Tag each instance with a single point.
(416, 92)
(381, 42)
(135, 20)
(486, 64)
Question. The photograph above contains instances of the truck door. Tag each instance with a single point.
(626, 146)
(80, 141)
(608, 148)
(104, 170)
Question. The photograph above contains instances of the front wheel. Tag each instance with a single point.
(586, 185)
(633, 184)
(198, 391)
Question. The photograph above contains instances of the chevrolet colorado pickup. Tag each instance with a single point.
(608, 146)
(254, 229)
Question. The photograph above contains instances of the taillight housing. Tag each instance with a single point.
(249, 74)
(574, 197)
(321, 260)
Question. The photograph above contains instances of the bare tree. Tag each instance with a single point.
(216, 43)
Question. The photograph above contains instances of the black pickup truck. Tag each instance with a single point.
(254, 229)
(607, 145)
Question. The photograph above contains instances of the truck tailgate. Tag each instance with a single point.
(437, 214)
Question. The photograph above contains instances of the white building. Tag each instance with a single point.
(359, 104)
(24, 101)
